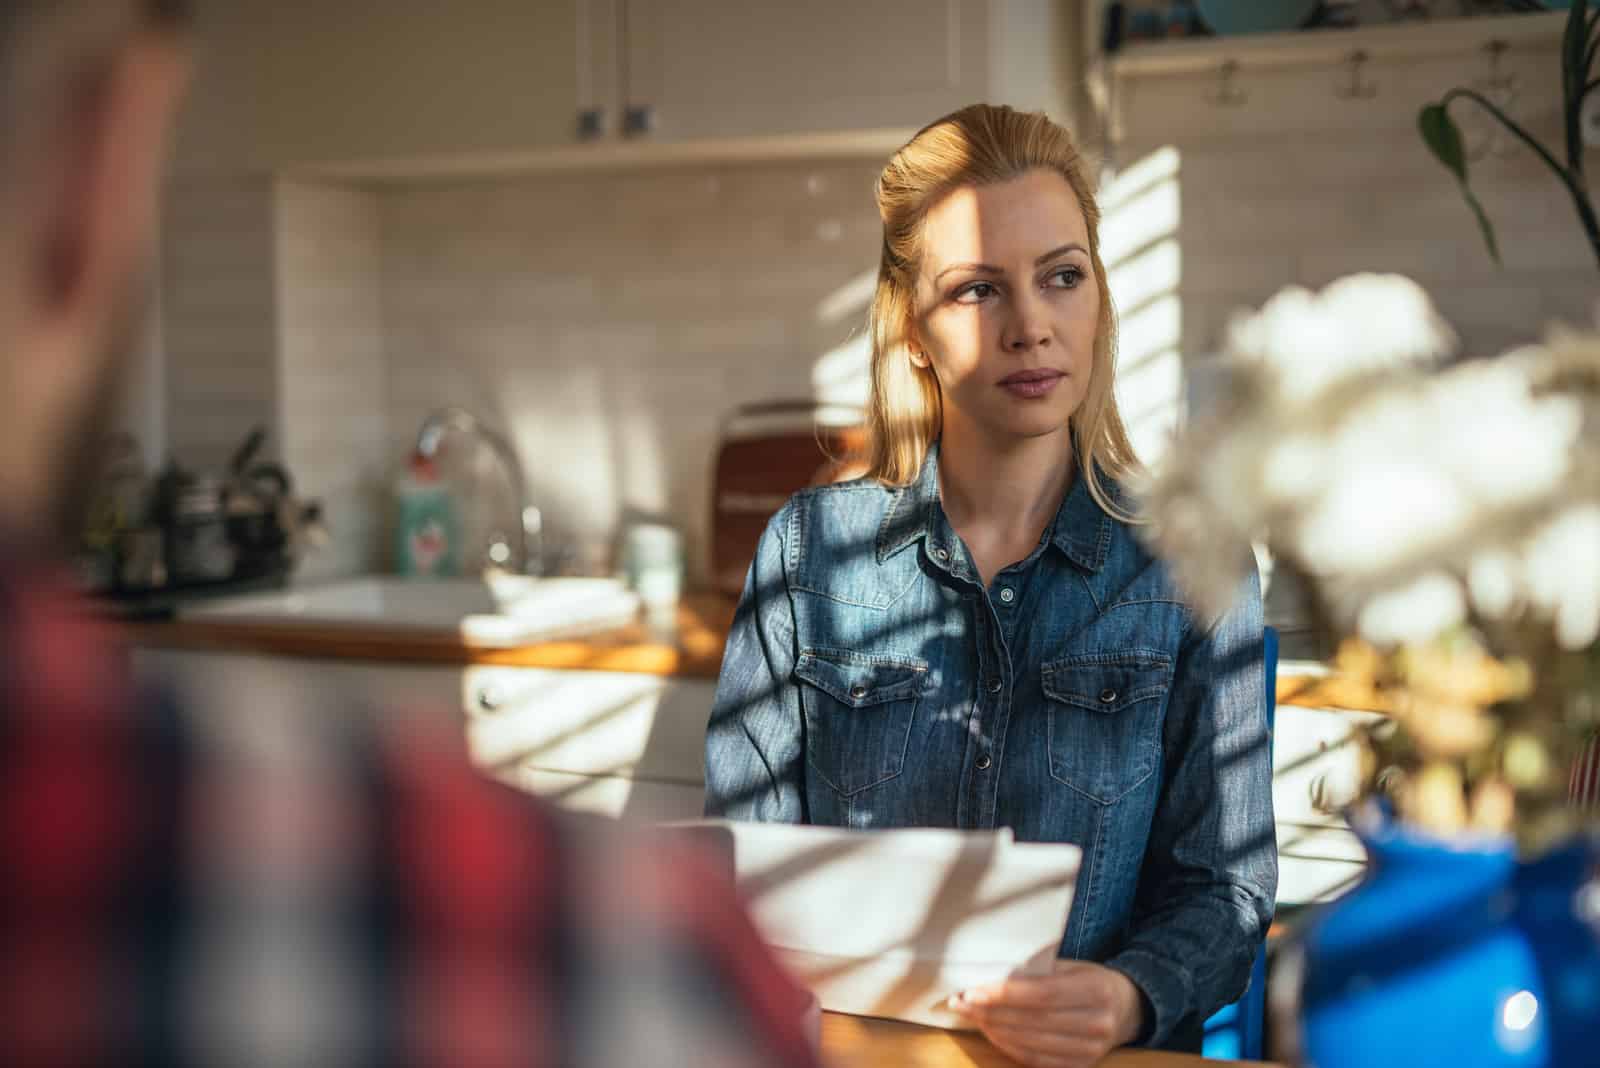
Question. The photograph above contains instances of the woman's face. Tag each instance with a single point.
(1007, 306)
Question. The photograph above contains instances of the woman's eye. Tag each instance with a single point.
(1066, 278)
(974, 293)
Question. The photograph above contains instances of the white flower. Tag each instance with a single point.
(1295, 468)
(1376, 514)
(1413, 613)
(1493, 578)
(1404, 493)
(1563, 570)
(1357, 324)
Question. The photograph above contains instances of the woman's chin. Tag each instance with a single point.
(1039, 423)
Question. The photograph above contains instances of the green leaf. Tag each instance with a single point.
(1440, 134)
(1574, 38)
(1483, 222)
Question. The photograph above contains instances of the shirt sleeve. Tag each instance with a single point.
(1210, 873)
(755, 744)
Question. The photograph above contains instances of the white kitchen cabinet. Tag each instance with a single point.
(722, 68)
(1313, 750)
(619, 743)
(402, 88)
(287, 83)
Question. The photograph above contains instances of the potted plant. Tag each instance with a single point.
(1445, 520)
(1579, 43)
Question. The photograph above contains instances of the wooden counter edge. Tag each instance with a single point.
(691, 648)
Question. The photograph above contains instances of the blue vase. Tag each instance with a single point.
(1454, 954)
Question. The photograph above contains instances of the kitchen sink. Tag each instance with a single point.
(496, 611)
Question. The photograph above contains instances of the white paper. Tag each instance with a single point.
(891, 923)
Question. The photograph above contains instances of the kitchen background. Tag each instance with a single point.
(380, 210)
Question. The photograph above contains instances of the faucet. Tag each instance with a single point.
(525, 555)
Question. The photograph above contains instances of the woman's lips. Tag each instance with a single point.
(1031, 385)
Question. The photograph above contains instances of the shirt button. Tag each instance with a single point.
(995, 685)
(984, 762)
(1007, 594)
(858, 691)
(940, 554)
(1107, 696)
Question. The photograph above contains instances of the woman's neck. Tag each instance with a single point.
(1002, 495)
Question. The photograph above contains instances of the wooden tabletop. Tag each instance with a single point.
(860, 1042)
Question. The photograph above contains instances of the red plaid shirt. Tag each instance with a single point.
(272, 879)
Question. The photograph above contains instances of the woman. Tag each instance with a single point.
(971, 636)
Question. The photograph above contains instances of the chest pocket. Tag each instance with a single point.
(1105, 714)
(858, 710)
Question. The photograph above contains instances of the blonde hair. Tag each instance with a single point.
(978, 145)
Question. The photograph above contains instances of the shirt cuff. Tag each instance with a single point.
(1166, 990)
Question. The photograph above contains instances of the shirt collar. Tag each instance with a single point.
(1081, 530)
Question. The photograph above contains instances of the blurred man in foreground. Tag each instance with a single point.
(266, 878)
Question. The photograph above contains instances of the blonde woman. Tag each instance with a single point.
(972, 636)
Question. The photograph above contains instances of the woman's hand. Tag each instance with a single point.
(1067, 1019)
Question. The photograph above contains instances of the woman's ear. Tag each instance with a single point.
(914, 347)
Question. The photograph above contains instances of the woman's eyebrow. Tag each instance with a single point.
(986, 268)
(978, 268)
(1055, 253)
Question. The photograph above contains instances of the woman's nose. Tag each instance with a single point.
(1028, 327)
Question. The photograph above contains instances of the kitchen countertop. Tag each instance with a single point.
(860, 1042)
(690, 648)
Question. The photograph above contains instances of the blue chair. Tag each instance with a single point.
(1235, 1032)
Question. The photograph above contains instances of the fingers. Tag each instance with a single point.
(1095, 1025)
(1037, 993)
(1042, 1050)
(1078, 987)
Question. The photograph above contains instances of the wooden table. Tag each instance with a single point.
(860, 1042)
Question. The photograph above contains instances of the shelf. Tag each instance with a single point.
(1410, 40)
(875, 145)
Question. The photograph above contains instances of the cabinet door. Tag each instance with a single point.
(729, 68)
(1314, 752)
(284, 82)
(620, 743)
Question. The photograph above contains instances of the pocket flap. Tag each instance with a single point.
(858, 679)
(1107, 682)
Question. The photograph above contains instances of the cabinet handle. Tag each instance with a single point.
(591, 124)
(639, 120)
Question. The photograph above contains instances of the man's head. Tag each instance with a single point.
(88, 91)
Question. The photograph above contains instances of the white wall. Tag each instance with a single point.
(1219, 207)
(219, 316)
(609, 320)
(1298, 185)
(331, 378)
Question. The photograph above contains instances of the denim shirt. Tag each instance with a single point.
(871, 681)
